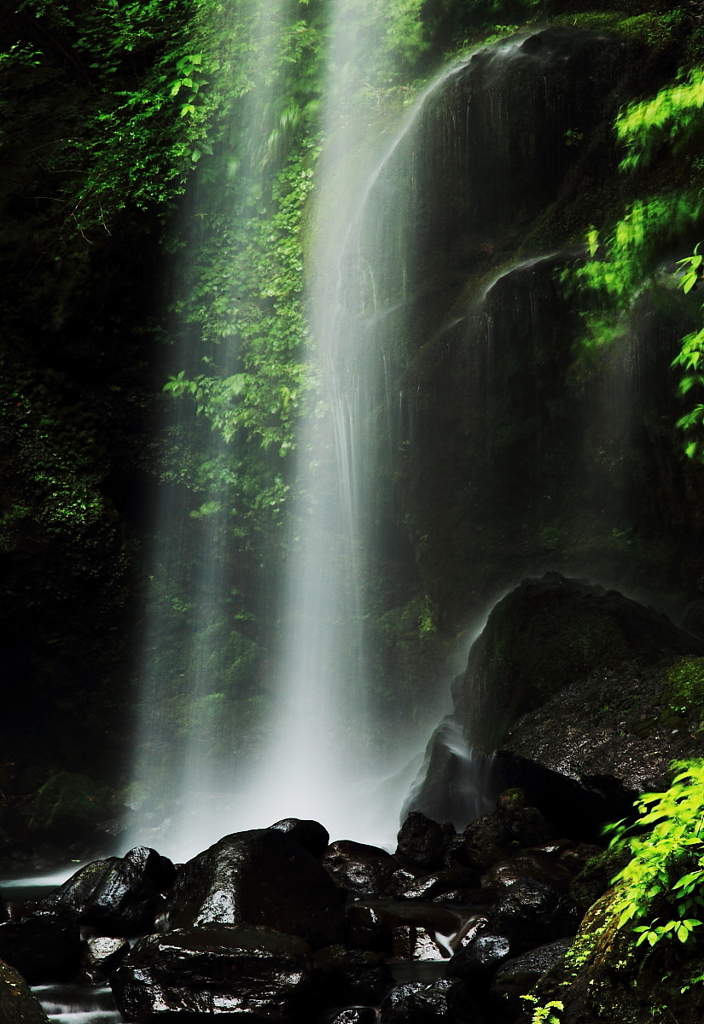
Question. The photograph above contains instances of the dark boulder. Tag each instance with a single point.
(356, 977)
(422, 842)
(545, 635)
(366, 930)
(532, 913)
(360, 868)
(102, 955)
(517, 977)
(528, 864)
(309, 834)
(252, 974)
(476, 963)
(17, 1003)
(119, 896)
(261, 877)
(418, 1002)
(44, 947)
(588, 751)
(356, 1015)
(428, 887)
(512, 826)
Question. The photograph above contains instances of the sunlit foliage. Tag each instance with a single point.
(663, 883)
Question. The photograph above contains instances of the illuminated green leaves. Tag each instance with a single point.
(667, 859)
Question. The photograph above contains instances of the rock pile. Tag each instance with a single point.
(275, 925)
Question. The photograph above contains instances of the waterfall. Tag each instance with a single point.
(388, 273)
(184, 767)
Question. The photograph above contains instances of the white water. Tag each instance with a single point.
(329, 754)
(327, 759)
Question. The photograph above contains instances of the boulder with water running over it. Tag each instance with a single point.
(235, 972)
(260, 877)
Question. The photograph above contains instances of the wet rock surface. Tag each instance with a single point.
(358, 867)
(260, 877)
(253, 973)
(309, 834)
(119, 896)
(17, 1003)
(45, 946)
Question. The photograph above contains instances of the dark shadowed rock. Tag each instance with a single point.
(17, 1004)
(355, 1015)
(512, 826)
(356, 977)
(46, 946)
(309, 834)
(545, 635)
(254, 974)
(366, 930)
(532, 913)
(261, 877)
(516, 977)
(476, 963)
(429, 887)
(119, 896)
(418, 1002)
(358, 867)
(422, 842)
(528, 865)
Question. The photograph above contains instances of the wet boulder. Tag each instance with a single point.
(356, 1015)
(119, 896)
(260, 877)
(545, 635)
(529, 864)
(366, 930)
(514, 824)
(253, 974)
(422, 842)
(532, 913)
(102, 955)
(359, 868)
(309, 834)
(476, 963)
(428, 887)
(355, 977)
(419, 1002)
(517, 977)
(46, 946)
(18, 1005)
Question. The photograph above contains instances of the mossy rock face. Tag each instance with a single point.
(604, 977)
(68, 805)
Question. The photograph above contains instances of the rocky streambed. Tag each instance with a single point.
(599, 695)
(278, 925)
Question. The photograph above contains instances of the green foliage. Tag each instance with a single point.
(621, 270)
(666, 870)
(671, 118)
(544, 1014)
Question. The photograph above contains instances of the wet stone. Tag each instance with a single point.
(309, 834)
(419, 1002)
(359, 868)
(423, 842)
